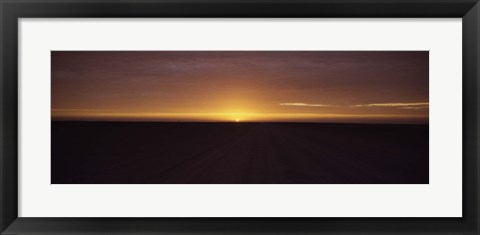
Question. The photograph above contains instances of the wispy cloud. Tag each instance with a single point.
(417, 105)
(304, 104)
(414, 107)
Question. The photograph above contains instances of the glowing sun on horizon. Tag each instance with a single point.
(237, 120)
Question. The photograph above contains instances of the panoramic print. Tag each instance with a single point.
(240, 117)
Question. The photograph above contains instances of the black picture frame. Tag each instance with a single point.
(12, 10)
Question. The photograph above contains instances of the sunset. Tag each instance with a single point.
(256, 86)
(240, 117)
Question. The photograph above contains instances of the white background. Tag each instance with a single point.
(440, 198)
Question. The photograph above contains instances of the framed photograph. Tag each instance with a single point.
(319, 117)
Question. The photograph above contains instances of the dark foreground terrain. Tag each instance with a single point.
(238, 153)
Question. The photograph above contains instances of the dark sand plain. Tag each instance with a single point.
(238, 153)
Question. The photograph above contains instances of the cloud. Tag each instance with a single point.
(417, 105)
(411, 106)
(414, 107)
(304, 105)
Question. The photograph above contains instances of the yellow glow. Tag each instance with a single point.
(225, 117)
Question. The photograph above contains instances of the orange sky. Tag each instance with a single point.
(316, 86)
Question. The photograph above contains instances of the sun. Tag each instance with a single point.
(237, 120)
